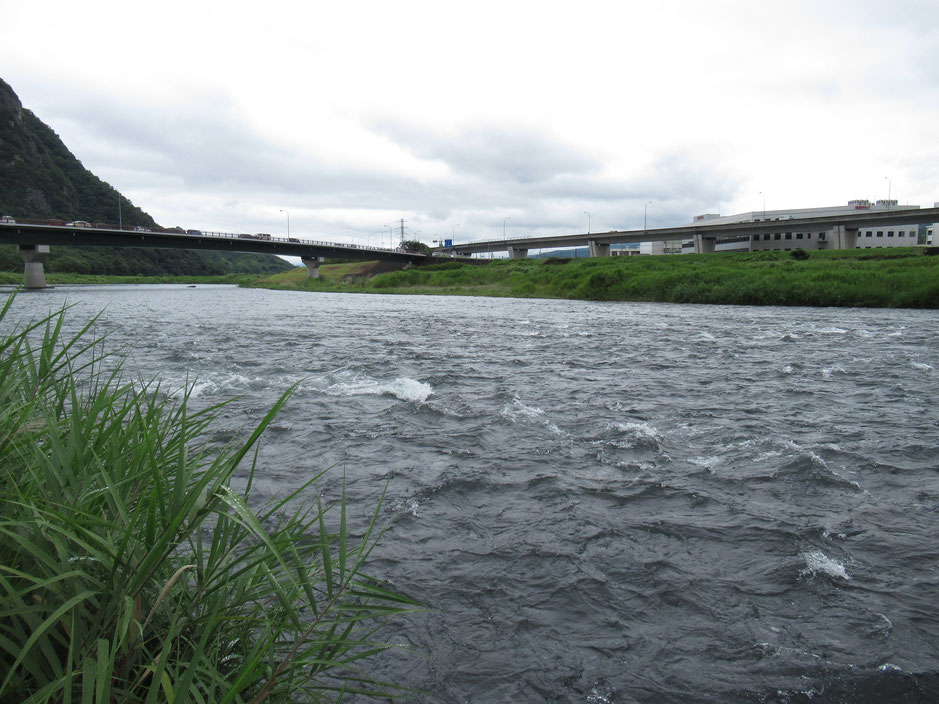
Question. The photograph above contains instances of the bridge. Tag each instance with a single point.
(842, 231)
(34, 241)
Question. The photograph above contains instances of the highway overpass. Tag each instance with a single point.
(843, 229)
(34, 241)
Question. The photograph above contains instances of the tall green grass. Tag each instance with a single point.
(900, 277)
(130, 568)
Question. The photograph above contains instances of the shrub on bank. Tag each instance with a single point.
(131, 570)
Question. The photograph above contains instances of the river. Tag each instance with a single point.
(597, 502)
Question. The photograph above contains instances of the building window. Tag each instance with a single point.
(890, 233)
(808, 235)
(766, 236)
(777, 236)
(798, 235)
(788, 235)
(880, 233)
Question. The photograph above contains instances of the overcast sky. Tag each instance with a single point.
(353, 115)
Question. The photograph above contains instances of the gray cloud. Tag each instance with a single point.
(542, 184)
(495, 153)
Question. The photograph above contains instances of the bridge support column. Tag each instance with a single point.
(595, 249)
(843, 238)
(703, 244)
(34, 255)
(312, 265)
(518, 252)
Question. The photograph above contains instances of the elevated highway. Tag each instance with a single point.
(34, 241)
(843, 229)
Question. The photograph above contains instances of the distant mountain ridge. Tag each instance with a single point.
(40, 178)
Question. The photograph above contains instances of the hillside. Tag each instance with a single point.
(40, 178)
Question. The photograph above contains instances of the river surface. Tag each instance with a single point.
(597, 502)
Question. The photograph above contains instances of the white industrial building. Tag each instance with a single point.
(882, 236)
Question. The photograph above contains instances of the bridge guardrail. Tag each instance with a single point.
(203, 233)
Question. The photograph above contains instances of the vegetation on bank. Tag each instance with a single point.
(892, 278)
(132, 570)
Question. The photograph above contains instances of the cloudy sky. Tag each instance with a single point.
(353, 115)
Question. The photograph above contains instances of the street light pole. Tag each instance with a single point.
(588, 221)
(645, 209)
(503, 226)
(889, 188)
(764, 204)
(288, 222)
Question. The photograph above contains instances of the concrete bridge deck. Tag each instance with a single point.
(844, 228)
(34, 241)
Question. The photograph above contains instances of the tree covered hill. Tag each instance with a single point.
(40, 178)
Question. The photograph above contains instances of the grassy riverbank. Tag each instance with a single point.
(130, 568)
(899, 278)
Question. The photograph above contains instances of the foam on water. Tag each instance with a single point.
(404, 388)
(639, 434)
(219, 384)
(829, 371)
(518, 412)
(817, 562)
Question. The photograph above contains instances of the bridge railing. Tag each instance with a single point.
(198, 233)
(107, 228)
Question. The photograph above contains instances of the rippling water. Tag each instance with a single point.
(598, 503)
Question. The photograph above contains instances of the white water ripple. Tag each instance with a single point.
(817, 562)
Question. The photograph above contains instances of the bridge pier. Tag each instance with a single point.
(595, 249)
(517, 252)
(703, 244)
(312, 265)
(843, 238)
(34, 255)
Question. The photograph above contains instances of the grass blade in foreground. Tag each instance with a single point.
(129, 569)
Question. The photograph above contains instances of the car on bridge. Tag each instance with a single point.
(78, 223)
(7, 220)
(141, 228)
(194, 232)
